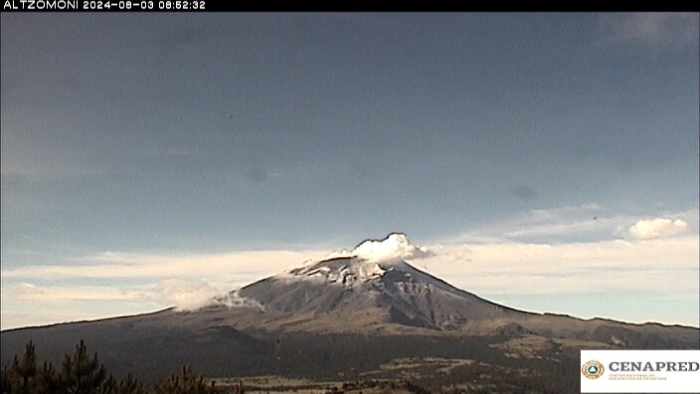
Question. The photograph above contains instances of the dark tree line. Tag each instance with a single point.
(82, 374)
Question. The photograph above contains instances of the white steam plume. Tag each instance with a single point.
(394, 247)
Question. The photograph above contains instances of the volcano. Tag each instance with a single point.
(353, 294)
(373, 290)
(353, 311)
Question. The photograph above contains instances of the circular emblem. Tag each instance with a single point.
(592, 369)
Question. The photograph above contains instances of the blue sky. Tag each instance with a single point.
(208, 150)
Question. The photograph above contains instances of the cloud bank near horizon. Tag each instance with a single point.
(654, 254)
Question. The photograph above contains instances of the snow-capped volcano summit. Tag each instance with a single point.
(348, 271)
(370, 260)
(368, 288)
(374, 289)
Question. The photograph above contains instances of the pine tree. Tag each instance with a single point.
(47, 381)
(9, 381)
(26, 368)
(109, 386)
(80, 374)
(20, 377)
(187, 382)
(130, 385)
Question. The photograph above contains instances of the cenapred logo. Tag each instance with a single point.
(592, 369)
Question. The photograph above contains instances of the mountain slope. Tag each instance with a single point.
(366, 295)
(356, 295)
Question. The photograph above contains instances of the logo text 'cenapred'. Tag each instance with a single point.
(640, 371)
(659, 366)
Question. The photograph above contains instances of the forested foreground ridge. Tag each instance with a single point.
(82, 373)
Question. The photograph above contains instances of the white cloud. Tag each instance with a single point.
(396, 246)
(32, 304)
(186, 295)
(587, 222)
(567, 212)
(658, 227)
(499, 264)
(491, 266)
(189, 295)
(570, 224)
(655, 30)
(32, 292)
(25, 303)
(236, 267)
(665, 265)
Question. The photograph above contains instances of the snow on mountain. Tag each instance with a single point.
(368, 288)
(371, 259)
(346, 271)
